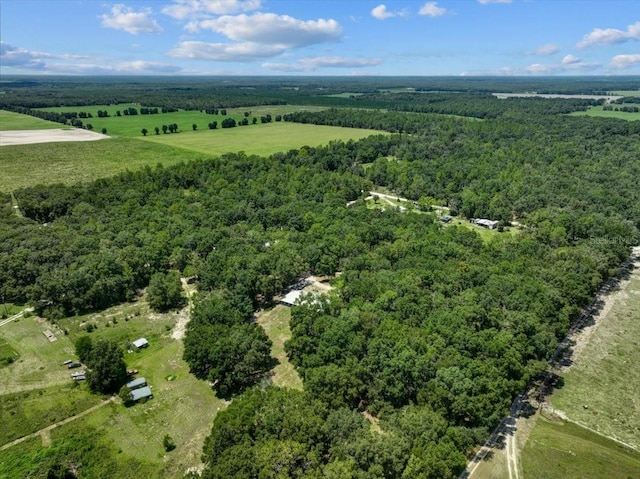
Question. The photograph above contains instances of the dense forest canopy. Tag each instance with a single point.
(431, 329)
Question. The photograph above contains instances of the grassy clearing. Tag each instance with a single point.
(262, 139)
(276, 324)
(26, 412)
(40, 363)
(403, 205)
(16, 121)
(74, 162)
(560, 450)
(599, 112)
(182, 407)
(75, 446)
(122, 324)
(601, 388)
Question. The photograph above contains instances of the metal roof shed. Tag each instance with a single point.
(137, 383)
(140, 343)
(141, 393)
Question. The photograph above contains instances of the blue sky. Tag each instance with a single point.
(324, 37)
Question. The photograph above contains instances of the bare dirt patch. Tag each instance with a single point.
(27, 137)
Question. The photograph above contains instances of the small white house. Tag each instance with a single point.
(291, 297)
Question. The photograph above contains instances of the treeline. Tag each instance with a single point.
(228, 92)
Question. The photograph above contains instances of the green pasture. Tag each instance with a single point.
(276, 324)
(26, 412)
(601, 388)
(132, 125)
(75, 162)
(17, 121)
(598, 111)
(261, 139)
(558, 450)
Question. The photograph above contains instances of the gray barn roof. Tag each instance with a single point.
(137, 383)
(143, 392)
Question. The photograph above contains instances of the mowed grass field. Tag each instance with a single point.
(74, 162)
(601, 390)
(599, 112)
(564, 450)
(261, 139)
(36, 392)
(16, 121)
(276, 324)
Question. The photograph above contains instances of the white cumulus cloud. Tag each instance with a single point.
(272, 29)
(183, 9)
(125, 18)
(431, 9)
(225, 52)
(381, 13)
(610, 36)
(485, 2)
(570, 60)
(545, 50)
(620, 62)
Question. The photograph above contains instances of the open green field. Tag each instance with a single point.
(37, 392)
(16, 121)
(276, 324)
(626, 93)
(26, 412)
(564, 450)
(601, 388)
(261, 139)
(40, 362)
(74, 162)
(132, 125)
(599, 112)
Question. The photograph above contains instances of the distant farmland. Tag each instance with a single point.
(68, 163)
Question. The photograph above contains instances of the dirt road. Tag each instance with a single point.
(15, 316)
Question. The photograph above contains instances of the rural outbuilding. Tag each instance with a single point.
(141, 393)
(291, 297)
(140, 343)
(137, 383)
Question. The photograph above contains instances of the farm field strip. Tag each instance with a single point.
(260, 140)
(17, 121)
(600, 386)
